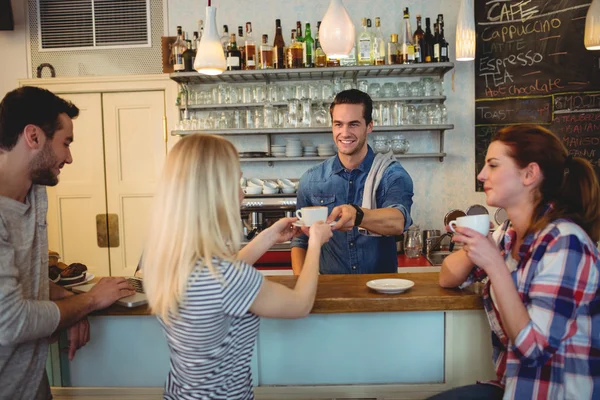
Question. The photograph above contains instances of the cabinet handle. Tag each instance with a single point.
(107, 230)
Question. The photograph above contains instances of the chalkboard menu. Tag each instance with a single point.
(531, 67)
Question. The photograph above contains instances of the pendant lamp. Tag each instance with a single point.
(465, 32)
(210, 59)
(591, 37)
(337, 34)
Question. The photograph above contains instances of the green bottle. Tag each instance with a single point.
(308, 48)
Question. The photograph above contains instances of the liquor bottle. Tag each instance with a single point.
(392, 50)
(427, 49)
(436, 43)
(200, 31)
(278, 47)
(251, 55)
(308, 48)
(444, 57)
(266, 53)
(241, 45)
(365, 46)
(320, 56)
(408, 48)
(418, 41)
(233, 55)
(378, 44)
(299, 37)
(294, 53)
(177, 50)
(190, 54)
(225, 38)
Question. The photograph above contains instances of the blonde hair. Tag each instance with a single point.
(195, 215)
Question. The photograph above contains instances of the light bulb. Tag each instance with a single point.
(337, 34)
(210, 59)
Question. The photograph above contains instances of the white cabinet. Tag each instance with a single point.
(118, 153)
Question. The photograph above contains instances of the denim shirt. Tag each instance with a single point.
(330, 184)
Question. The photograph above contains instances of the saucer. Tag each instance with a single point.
(390, 286)
(300, 224)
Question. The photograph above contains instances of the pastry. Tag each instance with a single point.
(53, 258)
(54, 273)
(74, 273)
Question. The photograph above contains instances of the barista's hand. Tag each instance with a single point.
(283, 230)
(346, 214)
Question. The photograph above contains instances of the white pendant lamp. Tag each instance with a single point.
(591, 37)
(210, 59)
(337, 34)
(465, 32)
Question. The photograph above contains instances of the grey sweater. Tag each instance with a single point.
(28, 317)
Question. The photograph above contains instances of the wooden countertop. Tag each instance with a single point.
(349, 294)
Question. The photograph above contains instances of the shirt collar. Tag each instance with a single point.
(365, 165)
(510, 235)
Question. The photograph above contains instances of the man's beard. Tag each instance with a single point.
(41, 167)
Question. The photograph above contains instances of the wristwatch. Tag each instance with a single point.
(359, 215)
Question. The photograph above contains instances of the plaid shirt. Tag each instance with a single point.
(557, 355)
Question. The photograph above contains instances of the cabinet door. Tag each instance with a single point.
(80, 195)
(135, 152)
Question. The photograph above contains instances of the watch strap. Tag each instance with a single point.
(359, 215)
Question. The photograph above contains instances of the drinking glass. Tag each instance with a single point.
(388, 90)
(363, 86)
(402, 89)
(260, 93)
(413, 242)
(384, 114)
(327, 92)
(444, 114)
(416, 89)
(268, 116)
(306, 112)
(247, 95)
(374, 89)
(293, 113)
(428, 87)
(320, 117)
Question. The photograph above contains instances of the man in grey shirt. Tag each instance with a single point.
(35, 133)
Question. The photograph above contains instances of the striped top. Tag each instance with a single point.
(557, 355)
(212, 339)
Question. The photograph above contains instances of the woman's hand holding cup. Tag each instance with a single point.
(320, 232)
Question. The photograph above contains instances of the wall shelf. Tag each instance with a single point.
(318, 158)
(327, 129)
(209, 107)
(270, 76)
(302, 74)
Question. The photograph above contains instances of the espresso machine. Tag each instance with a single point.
(259, 212)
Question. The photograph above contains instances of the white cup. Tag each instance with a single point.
(479, 223)
(310, 215)
(253, 190)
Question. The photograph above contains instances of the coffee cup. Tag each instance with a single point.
(310, 215)
(479, 223)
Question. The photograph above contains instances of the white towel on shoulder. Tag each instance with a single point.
(380, 164)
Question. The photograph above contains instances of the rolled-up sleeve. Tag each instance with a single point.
(397, 192)
(21, 319)
(302, 200)
(565, 284)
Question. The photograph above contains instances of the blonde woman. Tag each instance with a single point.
(204, 290)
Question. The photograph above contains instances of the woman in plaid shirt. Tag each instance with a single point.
(541, 269)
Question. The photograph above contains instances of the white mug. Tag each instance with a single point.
(479, 223)
(310, 215)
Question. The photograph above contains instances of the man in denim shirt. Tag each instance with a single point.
(338, 183)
